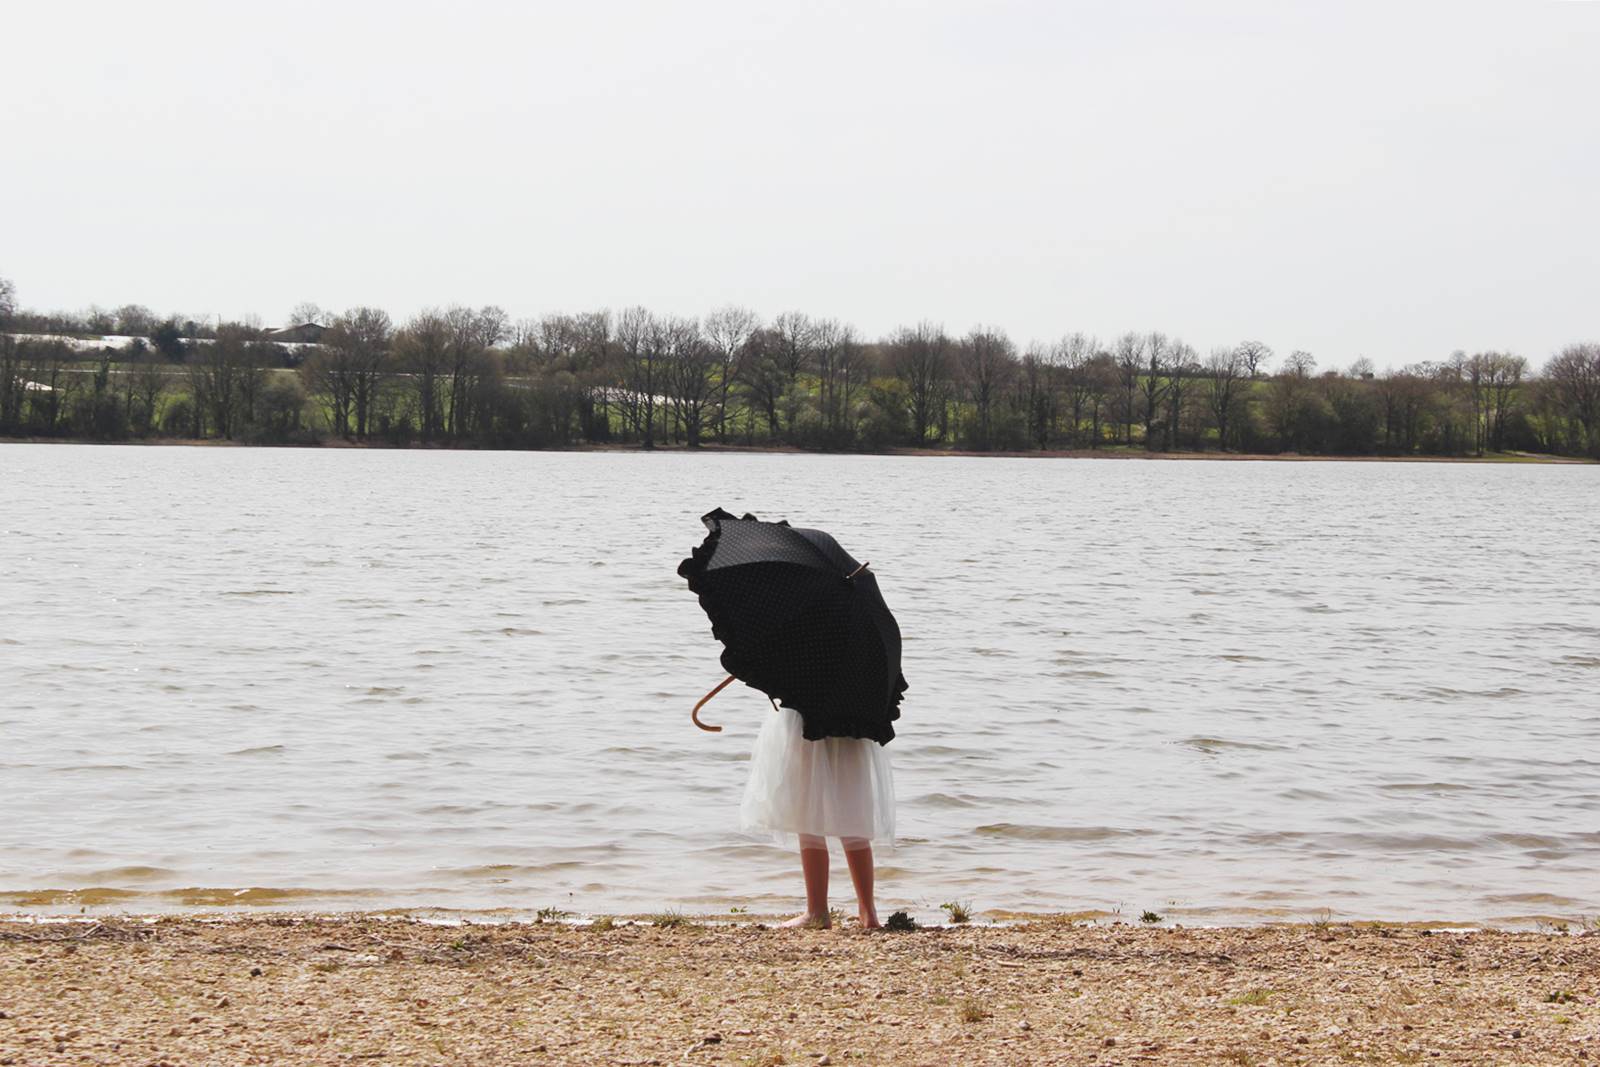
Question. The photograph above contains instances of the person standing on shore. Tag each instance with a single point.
(804, 622)
(808, 791)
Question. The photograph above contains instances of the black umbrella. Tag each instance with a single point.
(802, 621)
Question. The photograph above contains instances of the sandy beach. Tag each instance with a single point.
(369, 989)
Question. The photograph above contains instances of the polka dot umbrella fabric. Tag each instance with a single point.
(795, 624)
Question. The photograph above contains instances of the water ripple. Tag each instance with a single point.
(292, 678)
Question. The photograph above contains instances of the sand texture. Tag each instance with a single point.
(373, 990)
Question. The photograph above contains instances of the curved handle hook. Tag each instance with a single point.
(694, 715)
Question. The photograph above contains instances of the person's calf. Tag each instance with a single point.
(814, 866)
(858, 857)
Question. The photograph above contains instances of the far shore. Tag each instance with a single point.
(710, 448)
(381, 989)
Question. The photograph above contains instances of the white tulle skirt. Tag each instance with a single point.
(835, 787)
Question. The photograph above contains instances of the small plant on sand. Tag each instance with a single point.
(900, 922)
(971, 1011)
(763, 1059)
(670, 919)
(551, 914)
(1253, 999)
(325, 967)
(1560, 996)
(603, 922)
(1149, 917)
(960, 910)
(737, 910)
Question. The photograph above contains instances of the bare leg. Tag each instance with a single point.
(858, 854)
(814, 865)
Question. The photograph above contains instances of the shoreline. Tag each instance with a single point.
(364, 988)
(711, 449)
(50, 907)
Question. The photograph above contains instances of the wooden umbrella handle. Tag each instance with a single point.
(695, 714)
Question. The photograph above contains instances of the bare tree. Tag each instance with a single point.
(308, 313)
(1468, 374)
(133, 320)
(328, 380)
(1287, 398)
(638, 338)
(1103, 378)
(148, 379)
(689, 373)
(49, 383)
(1505, 374)
(98, 320)
(346, 369)
(763, 378)
(987, 359)
(471, 335)
(1071, 356)
(1224, 368)
(1254, 357)
(1574, 377)
(854, 365)
(422, 348)
(572, 356)
(1300, 364)
(1130, 361)
(364, 334)
(1183, 369)
(255, 368)
(214, 371)
(793, 334)
(790, 344)
(1400, 394)
(727, 332)
(837, 360)
(1155, 381)
(1040, 381)
(920, 357)
(592, 357)
(8, 302)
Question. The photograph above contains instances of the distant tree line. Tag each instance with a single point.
(472, 377)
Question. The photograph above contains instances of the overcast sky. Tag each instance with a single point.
(1388, 180)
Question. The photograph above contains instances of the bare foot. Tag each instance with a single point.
(806, 921)
(869, 920)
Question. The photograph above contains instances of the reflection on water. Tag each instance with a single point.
(373, 679)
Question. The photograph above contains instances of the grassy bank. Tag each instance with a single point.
(367, 989)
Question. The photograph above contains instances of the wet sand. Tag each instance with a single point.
(365, 989)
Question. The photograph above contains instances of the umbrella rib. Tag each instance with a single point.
(815, 548)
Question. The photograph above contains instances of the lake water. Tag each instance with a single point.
(1220, 691)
